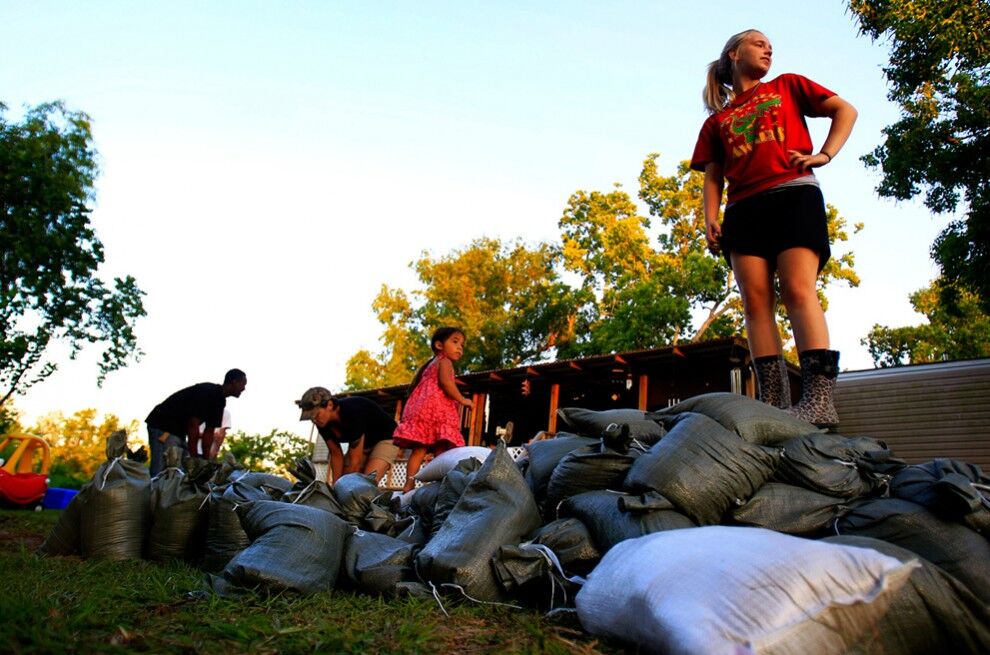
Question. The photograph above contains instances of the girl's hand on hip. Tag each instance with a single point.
(804, 162)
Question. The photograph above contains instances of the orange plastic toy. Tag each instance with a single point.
(20, 483)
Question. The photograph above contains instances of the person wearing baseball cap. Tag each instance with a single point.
(358, 422)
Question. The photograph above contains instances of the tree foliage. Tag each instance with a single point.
(959, 331)
(611, 284)
(507, 297)
(938, 73)
(78, 443)
(49, 252)
(275, 452)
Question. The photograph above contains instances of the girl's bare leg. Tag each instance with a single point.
(412, 467)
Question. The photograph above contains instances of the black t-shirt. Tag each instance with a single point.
(359, 416)
(205, 401)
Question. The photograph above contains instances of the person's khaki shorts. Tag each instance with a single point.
(385, 450)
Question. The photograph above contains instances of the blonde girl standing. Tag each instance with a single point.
(756, 139)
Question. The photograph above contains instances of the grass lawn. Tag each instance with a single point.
(69, 605)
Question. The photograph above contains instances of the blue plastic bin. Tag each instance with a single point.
(56, 498)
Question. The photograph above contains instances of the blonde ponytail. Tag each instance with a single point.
(718, 92)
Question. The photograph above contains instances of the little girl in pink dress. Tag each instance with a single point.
(431, 416)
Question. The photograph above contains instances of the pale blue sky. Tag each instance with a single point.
(268, 166)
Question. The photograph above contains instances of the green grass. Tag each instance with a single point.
(69, 605)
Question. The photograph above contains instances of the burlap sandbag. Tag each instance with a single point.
(309, 491)
(754, 421)
(721, 589)
(957, 549)
(354, 493)
(703, 468)
(588, 468)
(932, 613)
(115, 512)
(376, 563)
(793, 510)
(293, 548)
(829, 464)
(592, 423)
(225, 537)
(954, 490)
(63, 539)
(496, 509)
(544, 455)
(612, 517)
(178, 514)
(451, 489)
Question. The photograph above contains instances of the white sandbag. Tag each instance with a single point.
(724, 589)
(442, 464)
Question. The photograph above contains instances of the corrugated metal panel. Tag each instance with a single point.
(921, 412)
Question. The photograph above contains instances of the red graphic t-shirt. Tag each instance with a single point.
(751, 137)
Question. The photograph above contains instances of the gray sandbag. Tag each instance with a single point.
(178, 514)
(952, 489)
(545, 561)
(378, 564)
(932, 613)
(829, 464)
(273, 485)
(612, 517)
(451, 489)
(229, 469)
(415, 532)
(571, 543)
(960, 551)
(355, 492)
(315, 494)
(702, 468)
(381, 519)
(496, 509)
(293, 548)
(789, 509)
(589, 468)
(544, 455)
(423, 502)
(225, 537)
(309, 491)
(754, 421)
(540, 570)
(63, 539)
(116, 509)
(592, 423)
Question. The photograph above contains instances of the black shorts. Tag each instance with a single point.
(773, 221)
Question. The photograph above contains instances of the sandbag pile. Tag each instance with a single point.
(698, 528)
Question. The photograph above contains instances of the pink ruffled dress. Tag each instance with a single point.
(430, 418)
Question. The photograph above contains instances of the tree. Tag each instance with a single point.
(630, 292)
(507, 297)
(628, 286)
(78, 443)
(938, 74)
(275, 452)
(959, 331)
(49, 253)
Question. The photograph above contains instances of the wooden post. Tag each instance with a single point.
(644, 391)
(477, 419)
(398, 411)
(554, 401)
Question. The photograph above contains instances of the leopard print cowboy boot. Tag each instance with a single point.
(771, 378)
(819, 369)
